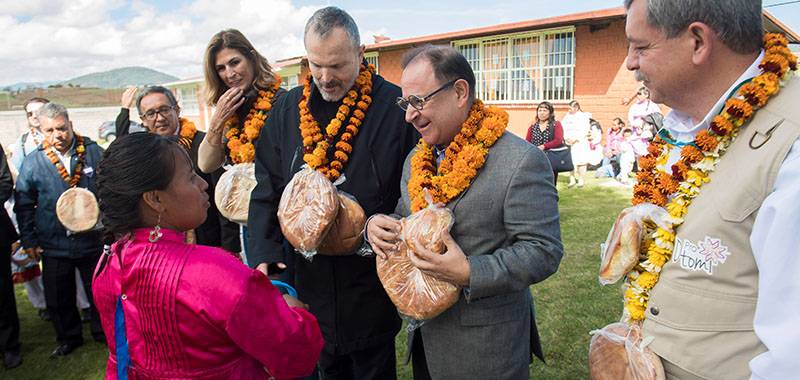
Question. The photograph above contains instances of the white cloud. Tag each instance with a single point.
(59, 40)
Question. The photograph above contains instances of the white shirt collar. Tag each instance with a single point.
(682, 127)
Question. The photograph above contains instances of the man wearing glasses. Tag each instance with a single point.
(506, 233)
(160, 114)
(28, 141)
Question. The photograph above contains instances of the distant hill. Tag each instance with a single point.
(122, 77)
(117, 78)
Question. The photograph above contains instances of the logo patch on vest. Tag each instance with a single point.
(703, 256)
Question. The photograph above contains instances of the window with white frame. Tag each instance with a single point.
(372, 58)
(187, 99)
(289, 82)
(522, 68)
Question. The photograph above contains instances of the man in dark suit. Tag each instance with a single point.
(9, 320)
(506, 234)
(160, 113)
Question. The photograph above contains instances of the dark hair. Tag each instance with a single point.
(131, 166)
(263, 75)
(574, 104)
(618, 120)
(324, 20)
(35, 99)
(552, 119)
(627, 130)
(448, 64)
(737, 23)
(155, 90)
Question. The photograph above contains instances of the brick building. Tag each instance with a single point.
(558, 59)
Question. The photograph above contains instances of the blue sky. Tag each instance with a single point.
(46, 40)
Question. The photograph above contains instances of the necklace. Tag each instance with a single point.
(79, 149)
(656, 184)
(315, 144)
(463, 157)
(241, 144)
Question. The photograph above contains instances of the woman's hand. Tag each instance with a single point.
(541, 147)
(292, 301)
(227, 104)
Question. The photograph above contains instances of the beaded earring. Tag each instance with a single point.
(156, 234)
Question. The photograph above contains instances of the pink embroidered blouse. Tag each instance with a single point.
(196, 312)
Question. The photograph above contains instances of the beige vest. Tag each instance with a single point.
(701, 310)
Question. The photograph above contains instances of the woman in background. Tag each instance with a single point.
(175, 310)
(545, 132)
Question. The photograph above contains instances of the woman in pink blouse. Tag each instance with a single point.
(174, 310)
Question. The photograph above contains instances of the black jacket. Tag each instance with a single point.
(8, 234)
(343, 292)
(38, 187)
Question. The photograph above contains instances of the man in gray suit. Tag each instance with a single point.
(506, 234)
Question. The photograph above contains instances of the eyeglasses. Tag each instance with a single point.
(31, 113)
(163, 111)
(418, 102)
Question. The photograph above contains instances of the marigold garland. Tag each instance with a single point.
(692, 170)
(187, 133)
(316, 144)
(241, 145)
(463, 157)
(79, 148)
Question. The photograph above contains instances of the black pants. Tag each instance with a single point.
(58, 277)
(418, 362)
(377, 362)
(9, 320)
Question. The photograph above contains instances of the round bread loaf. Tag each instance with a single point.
(77, 209)
(416, 294)
(615, 353)
(232, 193)
(307, 209)
(347, 232)
(621, 253)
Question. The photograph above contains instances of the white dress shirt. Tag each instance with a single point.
(774, 240)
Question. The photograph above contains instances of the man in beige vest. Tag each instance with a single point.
(727, 302)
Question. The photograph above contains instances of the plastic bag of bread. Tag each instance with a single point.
(347, 232)
(621, 251)
(308, 206)
(77, 210)
(416, 294)
(618, 352)
(232, 194)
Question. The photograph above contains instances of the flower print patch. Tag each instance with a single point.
(703, 256)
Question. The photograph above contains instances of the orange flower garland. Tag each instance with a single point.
(315, 144)
(79, 148)
(692, 169)
(187, 132)
(463, 157)
(241, 144)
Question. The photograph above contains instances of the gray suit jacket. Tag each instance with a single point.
(507, 223)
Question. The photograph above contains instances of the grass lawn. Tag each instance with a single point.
(568, 305)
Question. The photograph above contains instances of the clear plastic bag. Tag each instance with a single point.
(232, 193)
(618, 352)
(347, 232)
(418, 296)
(308, 207)
(621, 251)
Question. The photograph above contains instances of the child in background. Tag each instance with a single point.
(627, 156)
